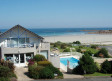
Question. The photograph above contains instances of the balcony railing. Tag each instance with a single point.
(18, 45)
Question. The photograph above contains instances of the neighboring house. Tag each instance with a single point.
(18, 45)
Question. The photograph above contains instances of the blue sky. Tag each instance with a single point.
(56, 13)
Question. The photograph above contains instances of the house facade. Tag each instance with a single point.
(18, 45)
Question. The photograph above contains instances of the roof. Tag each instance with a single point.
(16, 26)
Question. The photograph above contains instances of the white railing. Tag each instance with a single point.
(18, 45)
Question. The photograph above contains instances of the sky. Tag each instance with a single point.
(56, 13)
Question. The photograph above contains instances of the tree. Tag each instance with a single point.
(102, 52)
(106, 67)
(77, 42)
(88, 52)
(86, 65)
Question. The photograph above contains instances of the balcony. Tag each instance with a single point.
(30, 45)
(22, 48)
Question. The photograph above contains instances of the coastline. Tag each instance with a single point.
(83, 38)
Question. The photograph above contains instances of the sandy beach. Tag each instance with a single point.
(86, 39)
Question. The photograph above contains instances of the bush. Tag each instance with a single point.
(7, 64)
(46, 73)
(67, 50)
(55, 70)
(4, 71)
(78, 50)
(44, 63)
(88, 52)
(31, 67)
(58, 43)
(103, 52)
(31, 62)
(34, 71)
(78, 70)
(11, 74)
(63, 46)
(77, 42)
(94, 46)
(86, 65)
(11, 66)
(98, 67)
(81, 46)
(39, 57)
(4, 79)
(106, 67)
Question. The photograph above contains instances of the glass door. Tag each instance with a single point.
(16, 58)
(22, 60)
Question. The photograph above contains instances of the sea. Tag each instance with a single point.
(61, 31)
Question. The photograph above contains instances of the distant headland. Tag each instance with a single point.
(98, 31)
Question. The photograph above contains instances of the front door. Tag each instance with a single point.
(19, 59)
(16, 59)
(22, 60)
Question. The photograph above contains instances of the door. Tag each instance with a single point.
(22, 60)
(16, 58)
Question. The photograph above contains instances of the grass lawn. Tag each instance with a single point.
(98, 74)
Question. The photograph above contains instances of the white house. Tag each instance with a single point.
(18, 45)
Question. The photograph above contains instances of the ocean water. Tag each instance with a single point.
(61, 31)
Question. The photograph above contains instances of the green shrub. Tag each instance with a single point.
(58, 43)
(55, 70)
(67, 50)
(46, 73)
(98, 67)
(4, 79)
(7, 64)
(78, 50)
(86, 65)
(104, 52)
(77, 42)
(55, 45)
(39, 57)
(34, 71)
(106, 67)
(4, 71)
(88, 52)
(94, 46)
(63, 46)
(44, 63)
(32, 67)
(78, 70)
(81, 46)
(11, 66)
(11, 74)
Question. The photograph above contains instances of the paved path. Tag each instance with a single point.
(21, 73)
(71, 76)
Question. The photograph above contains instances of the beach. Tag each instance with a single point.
(85, 39)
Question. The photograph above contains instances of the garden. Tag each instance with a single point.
(86, 65)
(92, 50)
(40, 68)
(7, 71)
